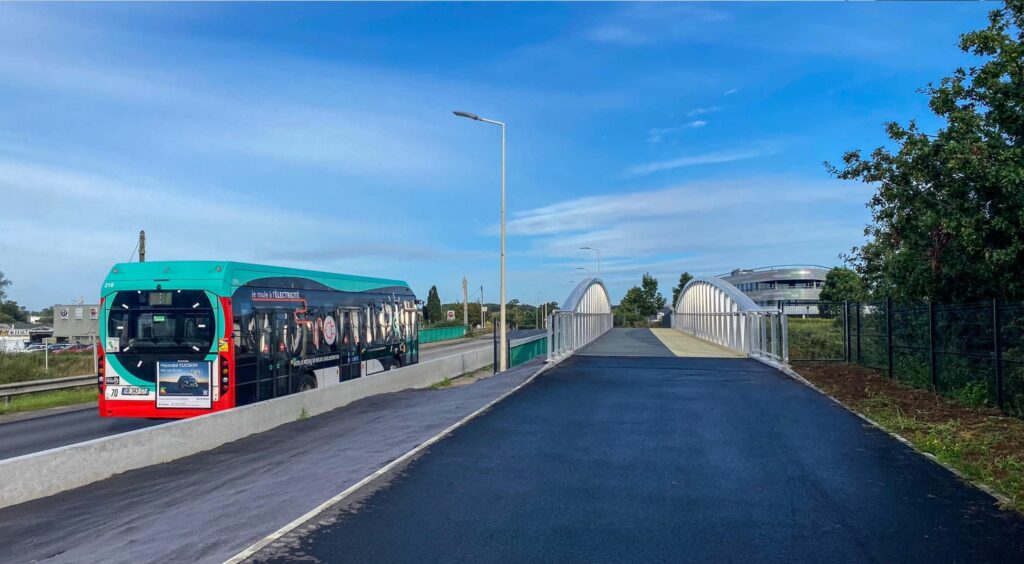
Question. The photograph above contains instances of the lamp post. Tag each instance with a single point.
(587, 270)
(502, 338)
(598, 258)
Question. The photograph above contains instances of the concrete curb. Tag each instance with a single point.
(36, 475)
(266, 541)
(788, 371)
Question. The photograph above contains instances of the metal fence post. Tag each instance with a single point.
(495, 339)
(931, 346)
(997, 351)
(859, 329)
(888, 333)
(846, 331)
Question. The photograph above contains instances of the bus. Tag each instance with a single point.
(184, 338)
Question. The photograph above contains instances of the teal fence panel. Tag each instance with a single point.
(521, 354)
(441, 334)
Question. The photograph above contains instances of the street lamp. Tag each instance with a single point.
(503, 340)
(598, 258)
(587, 270)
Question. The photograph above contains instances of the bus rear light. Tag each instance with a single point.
(225, 375)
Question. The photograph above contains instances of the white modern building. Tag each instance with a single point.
(794, 289)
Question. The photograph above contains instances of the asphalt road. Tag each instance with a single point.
(25, 436)
(615, 459)
(212, 505)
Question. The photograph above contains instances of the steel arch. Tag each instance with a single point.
(716, 311)
(585, 315)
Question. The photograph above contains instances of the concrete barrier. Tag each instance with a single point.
(45, 473)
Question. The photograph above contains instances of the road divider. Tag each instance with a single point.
(46, 473)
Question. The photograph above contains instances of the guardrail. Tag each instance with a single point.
(569, 331)
(761, 334)
(7, 391)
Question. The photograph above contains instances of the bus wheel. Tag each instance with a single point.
(307, 383)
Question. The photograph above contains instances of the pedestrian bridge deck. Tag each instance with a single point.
(661, 342)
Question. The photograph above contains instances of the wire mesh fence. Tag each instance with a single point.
(973, 353)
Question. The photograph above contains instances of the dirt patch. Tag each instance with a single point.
(985, 445)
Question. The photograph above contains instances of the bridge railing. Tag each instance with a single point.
(757, 333)
(569, 331)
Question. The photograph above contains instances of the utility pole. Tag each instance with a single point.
(465, 302)
(142, 246)
(482, 322)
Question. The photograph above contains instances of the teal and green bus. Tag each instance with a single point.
(184, 338)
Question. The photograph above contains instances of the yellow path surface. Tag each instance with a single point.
(682, 344)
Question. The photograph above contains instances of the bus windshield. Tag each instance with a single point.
(178, 321)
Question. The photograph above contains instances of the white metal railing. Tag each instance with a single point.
(569, 331)
(761, 333)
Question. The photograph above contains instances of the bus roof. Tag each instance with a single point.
(221, 276)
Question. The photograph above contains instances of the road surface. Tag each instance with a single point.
(24, 436)
(664, 459)
(208, 507)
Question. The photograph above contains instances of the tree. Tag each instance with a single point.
(683, 279)
(433, 309)
(46, 316)
(11, 312)
(841, 285)
(4, 283)
(644, 301)
(949, 207)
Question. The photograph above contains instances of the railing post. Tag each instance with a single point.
(495, 340)
(888, 334)
(785, 339)
(997, 351)
(931, 346)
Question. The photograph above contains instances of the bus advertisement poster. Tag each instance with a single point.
(183, 384)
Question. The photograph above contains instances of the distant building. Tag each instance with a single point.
(794, 289)
(19, 335)
(76, 322)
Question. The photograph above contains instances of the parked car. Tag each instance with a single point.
(57, 347)
(34, 347)
(77, 347)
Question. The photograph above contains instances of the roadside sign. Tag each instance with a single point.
(484, 309)
(451, 314)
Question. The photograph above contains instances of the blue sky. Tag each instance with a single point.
(672, 136)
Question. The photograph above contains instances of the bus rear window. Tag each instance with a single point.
(180, 322)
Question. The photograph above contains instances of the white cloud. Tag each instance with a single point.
(732, 91)
(704, 227)
(701, 159)
(655, 134)
(705, 110)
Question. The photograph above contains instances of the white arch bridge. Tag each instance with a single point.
(708, 309)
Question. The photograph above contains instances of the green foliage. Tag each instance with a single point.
(46, 316)
(841, 284)
(433, 309)
(683, 279)
(643, 301)
(949, 208)
(20, 367)
(4, 283)
(43, 400)
(816, 339)
(11, 312)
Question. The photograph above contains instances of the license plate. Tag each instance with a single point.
(134, 392)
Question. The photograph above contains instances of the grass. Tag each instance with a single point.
(447, 382)
(21, 367)
(983, 444)
(812, 338)
(43, 400)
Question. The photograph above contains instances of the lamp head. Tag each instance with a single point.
(467, 115)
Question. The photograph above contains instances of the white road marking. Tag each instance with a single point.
(261, 544)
